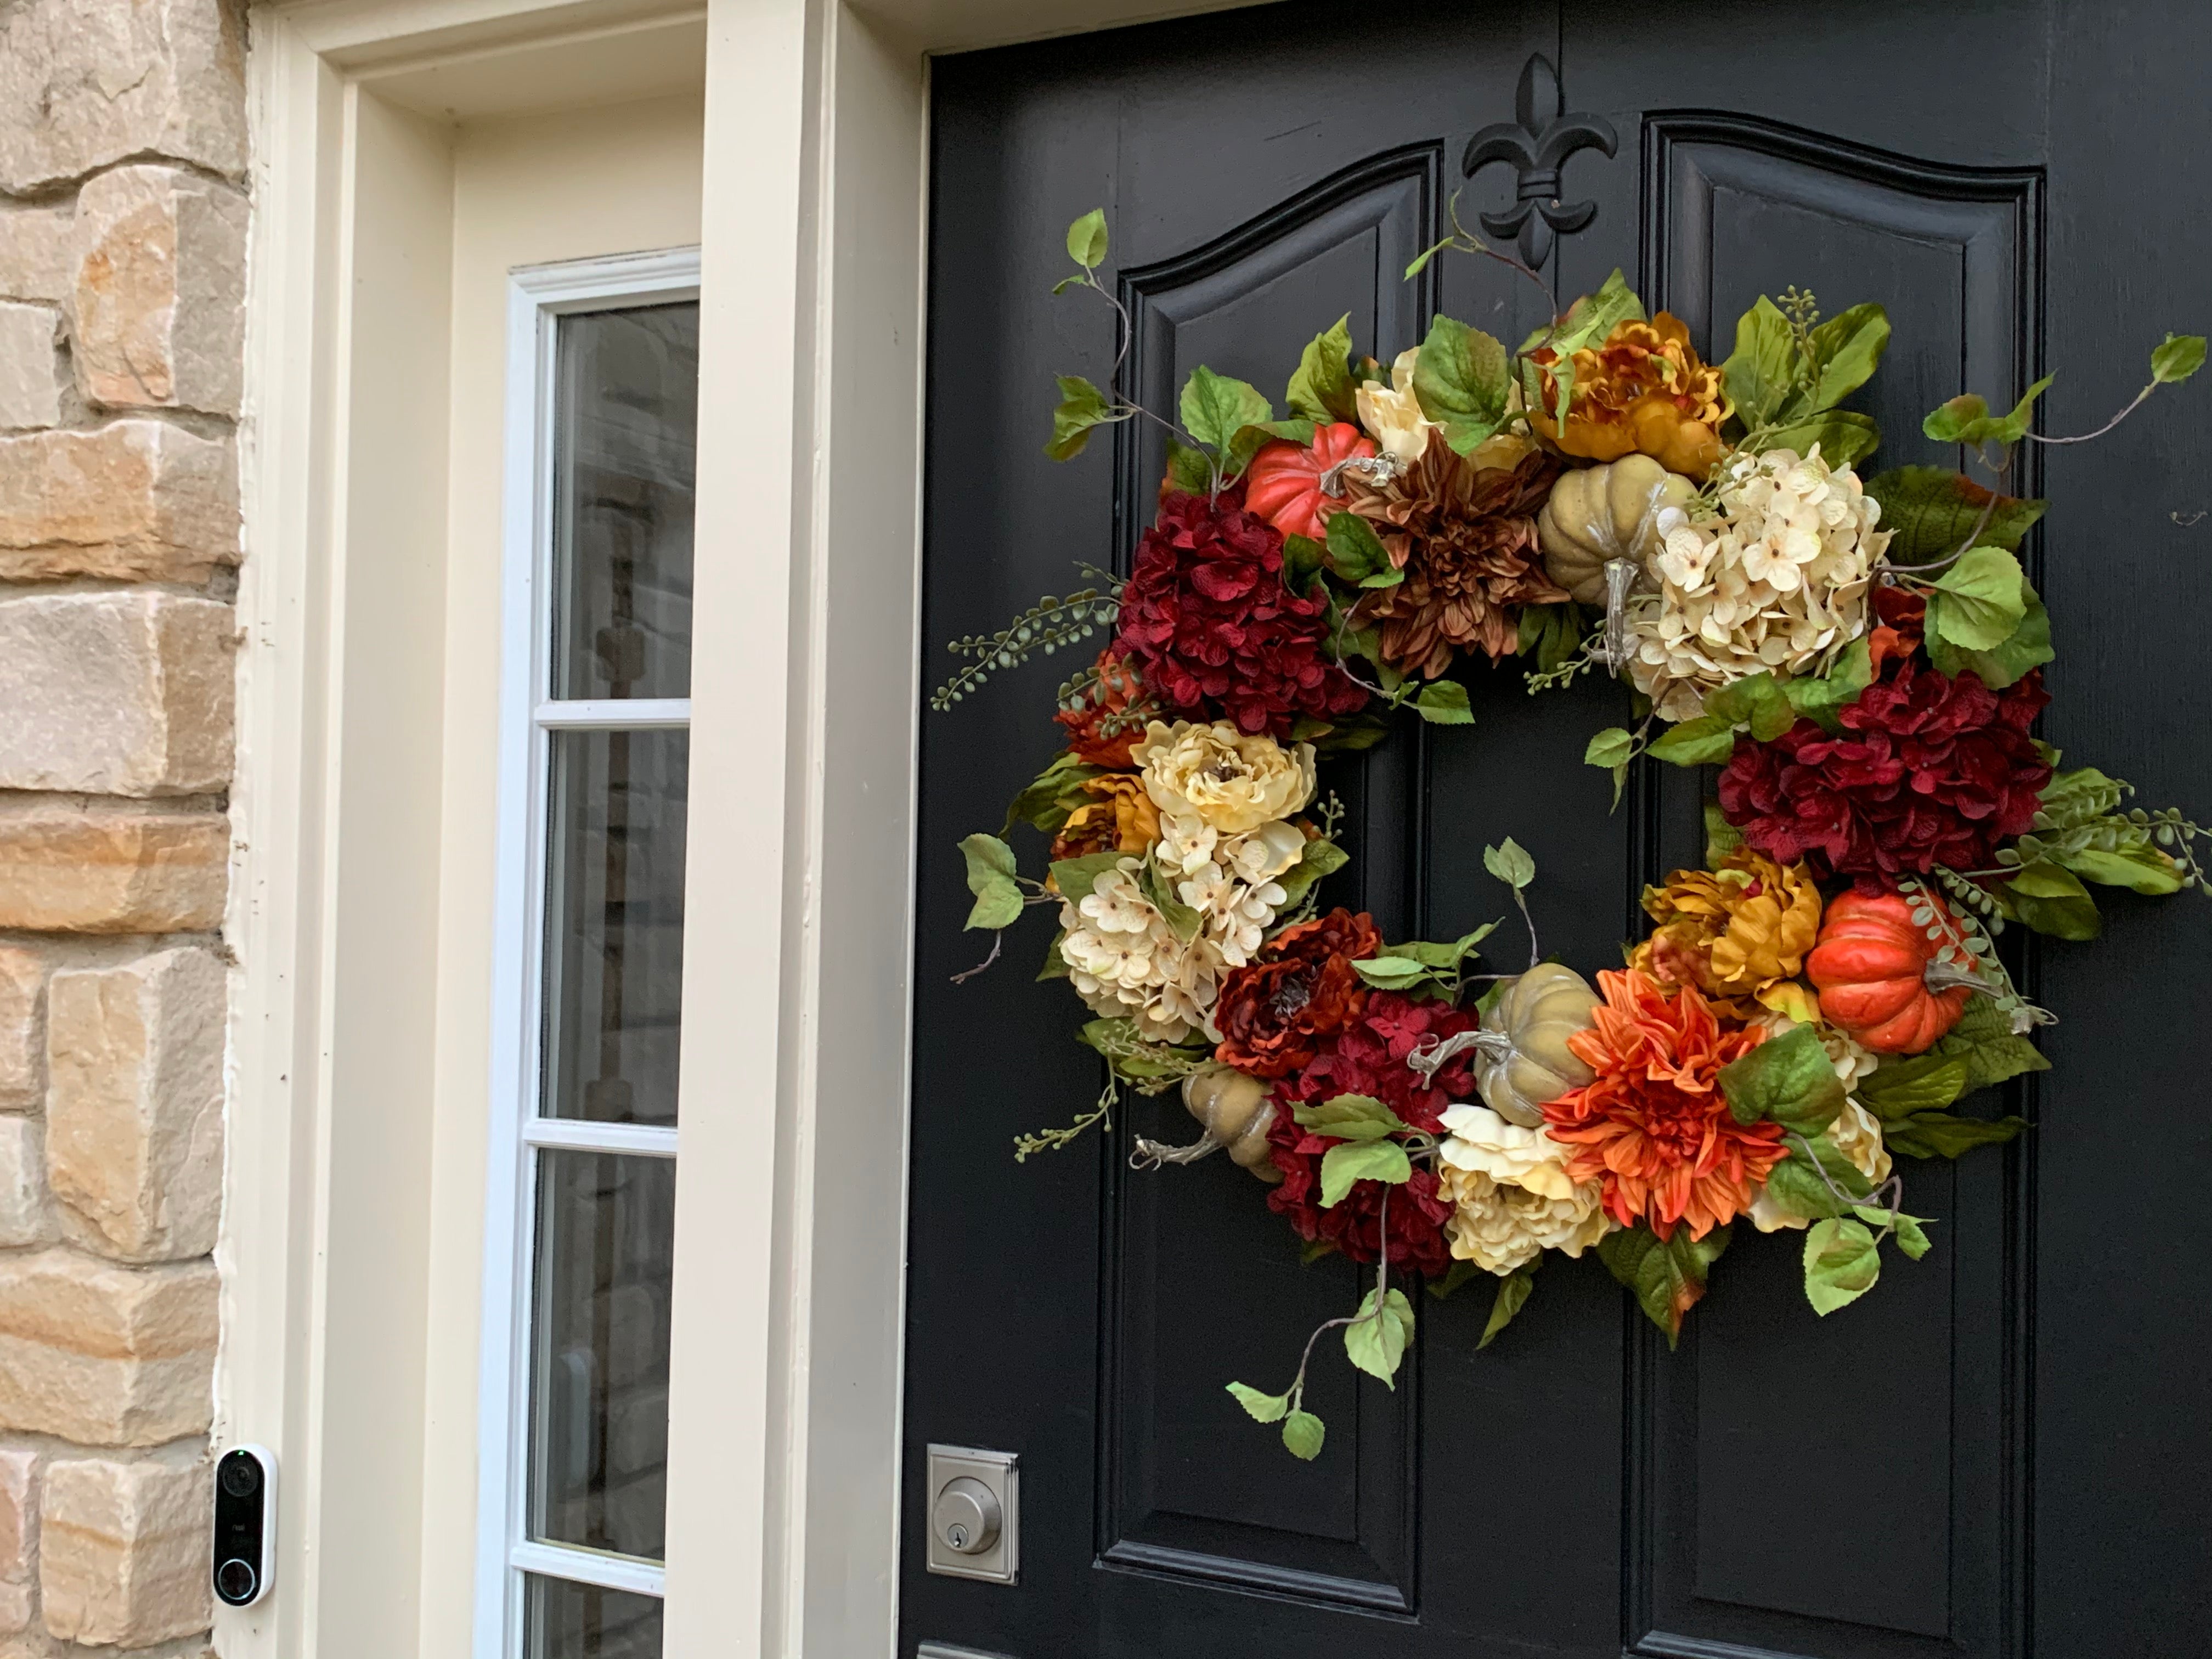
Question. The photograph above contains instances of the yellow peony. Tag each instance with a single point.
(1230, 780)
(1739, 933)
(1121, 817)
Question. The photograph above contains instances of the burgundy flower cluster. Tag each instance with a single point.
(1368, 1057)
(1208, 625)
(1928, 770)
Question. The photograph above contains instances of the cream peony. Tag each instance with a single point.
(1227, 780)
(1856, 1134)
(1392, 414)
(1512, 1196)
(1777, 580)
(1851, 1060)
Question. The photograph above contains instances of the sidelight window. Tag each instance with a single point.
(603, 393)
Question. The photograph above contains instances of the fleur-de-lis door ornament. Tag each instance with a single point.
(1536, 152)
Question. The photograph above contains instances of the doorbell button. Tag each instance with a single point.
(244, 1524)
(975, 1513)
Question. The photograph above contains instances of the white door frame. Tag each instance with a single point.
(784, 1434)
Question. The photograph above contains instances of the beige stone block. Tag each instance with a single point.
(38, 251)
(159, 300)
(134, 1105)
(22, 1028)
(30, 368)
(123, 1553)
(112, 872)
(25, 1216)
(87, 82)
(19, 1515)
(116, 693)
(14, 1615)
(106, 1355)
(136, 500)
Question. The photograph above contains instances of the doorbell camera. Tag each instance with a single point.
(244, 1524)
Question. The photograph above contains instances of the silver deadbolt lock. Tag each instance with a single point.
(967, 1515)
(974, 1506)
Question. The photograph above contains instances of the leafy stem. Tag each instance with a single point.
(1053, 1140)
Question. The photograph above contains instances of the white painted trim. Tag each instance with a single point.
(616, 1572)
(537, 297)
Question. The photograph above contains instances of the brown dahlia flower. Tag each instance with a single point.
(1464, 536)
(1644, 390)
(1301, 988)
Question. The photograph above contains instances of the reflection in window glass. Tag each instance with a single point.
(599, 1372)
(625, 428)
(614, 923)
(582, 1621)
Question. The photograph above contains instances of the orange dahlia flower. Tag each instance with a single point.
(1643, 388)
(1654, 1127)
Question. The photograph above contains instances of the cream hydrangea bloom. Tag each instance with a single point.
(1512, 1196)
(1777, 580)
(1227, 780)
(1856, 1134)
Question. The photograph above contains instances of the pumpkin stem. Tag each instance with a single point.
(1150, 1154)
(1942, 976)
(1619, 577)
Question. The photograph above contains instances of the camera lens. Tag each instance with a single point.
(241, 1475)
(235, 1579)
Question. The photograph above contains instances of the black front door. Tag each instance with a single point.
(2005, 1451)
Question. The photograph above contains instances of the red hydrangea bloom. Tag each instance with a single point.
(1928, 770)
(1208, 625)
(1368, 1057)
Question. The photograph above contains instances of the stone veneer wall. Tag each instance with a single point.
(123, 221)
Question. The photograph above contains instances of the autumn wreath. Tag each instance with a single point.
(1859, 659)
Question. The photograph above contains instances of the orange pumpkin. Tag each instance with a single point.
(1283, 484)
(1883, 979)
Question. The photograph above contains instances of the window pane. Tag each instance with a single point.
(600, 1365)
(624, 425)
(582, 1621)
(614, 923)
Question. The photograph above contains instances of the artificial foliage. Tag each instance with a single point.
(1852, 658)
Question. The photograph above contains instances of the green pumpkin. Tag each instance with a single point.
(1601, 514)
(1521, 1057)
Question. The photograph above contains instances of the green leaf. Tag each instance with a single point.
(1250, 439)
(1845, 436)
(1983, 1040)
(1756, 701)
(1086, 240)
(1392, 973)
(1178, 915)
(1137, 1057)
(1909, 1237)
(1263, 1408)
(1609, 748)
(1055, 965)
(1796, 1184)
(1966, 419)
(1931, 510)
(1444, 702)
(1215, 408)
(2134, 864)
(1354, 552)
(1846, 350)
(1551, 633)
(1361, 1160)
(1303, 560)
(1511, 864)
(1461, 381)
(1927, 1083)
(2073, 798)
(1762, 371)
(1420, 260)
(1074, 877)
(1082, 406)
(1667, 1278)
(1823, 700)
(1940, 1134)
(1190, 471)
(1513, 1291)
(1349, 1117)
(2027, 647)
(1841, 1264)
(1321, 858)
(1303, 1434)
(991, 879)
(1056, 792)
(1588, 320)
(1445, 957)
(2177, 358)
(1983, 600)
(1322, 389)
(1455, 1276)
(1708, 740)
(1789, 1080)
(1376, 1343)
(2053, 901)
(1722, 837)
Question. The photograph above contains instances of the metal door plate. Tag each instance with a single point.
(1000, 1471)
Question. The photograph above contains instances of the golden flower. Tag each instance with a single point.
(1643, 389)
(1739, 933)
(1228, 780)
(1122, 819)
(1856, 1134)
(1512, 1196)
